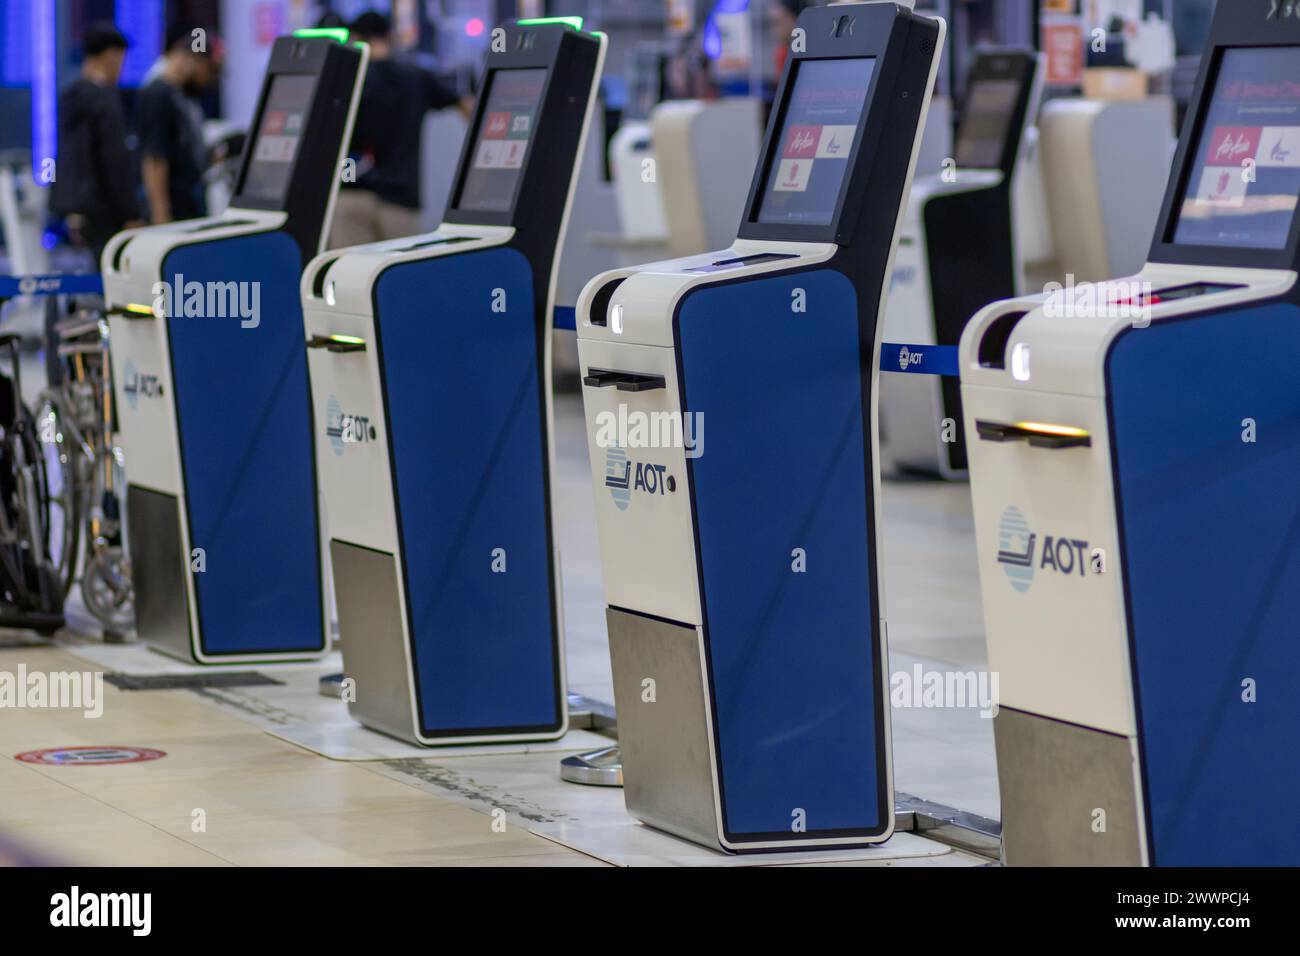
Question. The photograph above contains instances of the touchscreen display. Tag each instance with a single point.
(1246, 169)
(276, 143)
(811, 157)
(983, 133)
(501, 145)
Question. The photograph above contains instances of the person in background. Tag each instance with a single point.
(384, 202)
(94, 186)
(169, 125)
(782, 18)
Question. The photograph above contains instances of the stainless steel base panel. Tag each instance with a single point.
(1056, 780)
(373, 639)
(667, 772)
(162, 612)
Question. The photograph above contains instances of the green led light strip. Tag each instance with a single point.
(575, 22)
(333, 33)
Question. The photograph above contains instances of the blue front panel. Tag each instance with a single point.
(239, 369)
(465, 425)
(794, 676)
(1211, 534)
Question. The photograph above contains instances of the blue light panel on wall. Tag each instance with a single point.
(142, 23)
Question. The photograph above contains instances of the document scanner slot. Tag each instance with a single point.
(623, 381)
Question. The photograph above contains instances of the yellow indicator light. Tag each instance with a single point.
(346, 339)
(1043, 428)
(138, 309)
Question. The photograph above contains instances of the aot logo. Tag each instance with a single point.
(1283, 9)
(1016, 549)
(134, 385)
(907, 358)
(618, 476)
(623, 476)
(1018, 546)
(29, 284)
(343, 429)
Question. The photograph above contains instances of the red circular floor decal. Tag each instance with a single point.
(90, 756)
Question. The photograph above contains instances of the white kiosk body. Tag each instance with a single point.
(430, 361)
(211, 390)
(1133, 448)
(730, 403)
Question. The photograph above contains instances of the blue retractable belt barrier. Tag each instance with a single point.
(566, 317)
(72, 283)
(919, 359)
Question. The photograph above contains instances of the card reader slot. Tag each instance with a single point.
(131, 311)
(439, 241)
(721, 265)
(623, 381)
(1037, 434)
(220, 224)
(337, 343)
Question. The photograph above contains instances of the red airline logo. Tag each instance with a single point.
(802, 142)
(496, 126)
(1231, 144)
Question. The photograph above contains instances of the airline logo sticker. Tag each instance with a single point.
(802, 143)
(1231, 144)
(835, 142)
(792, 175)
(496, 126)
(276, 149)
(1221, 186)
(1279, 146)
(500, 154)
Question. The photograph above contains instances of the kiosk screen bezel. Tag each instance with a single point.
(262, 200)
(1002, 65)
(334, 69)
(876, 31)
(1191, 166)
(505, 216)
(1229, 33)
(242, 200)
(772, 158)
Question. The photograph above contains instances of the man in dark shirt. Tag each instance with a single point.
(384, 201)
(94, 178)
(169, 124)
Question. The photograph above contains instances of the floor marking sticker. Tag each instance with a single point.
(89, 756)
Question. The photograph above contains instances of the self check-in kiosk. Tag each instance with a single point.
(430, 365)
(1133, 459)
(729, 402)
(211, 383)
(957, 253)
